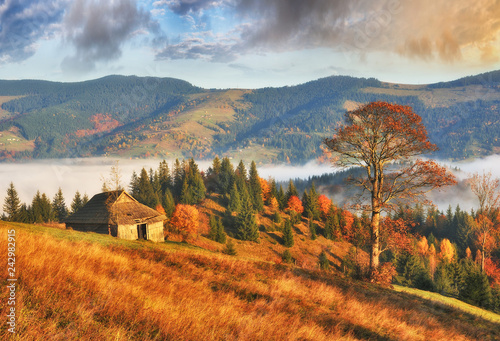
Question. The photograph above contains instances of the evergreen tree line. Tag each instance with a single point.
(42, 209)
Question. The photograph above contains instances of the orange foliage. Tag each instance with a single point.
(348, 219)
(447, 253)
(265, 188)
(273, 204)
(423, 247)
(492, 269)
(160, 209)
(185, 220)
(324, 205)
(395, 235)
(295, 204)
(101, 122)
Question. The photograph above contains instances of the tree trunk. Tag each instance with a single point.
(375, 240)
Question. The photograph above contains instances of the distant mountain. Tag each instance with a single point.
(164, 117)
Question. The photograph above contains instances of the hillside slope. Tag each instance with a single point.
(164, 117)
(76, 286)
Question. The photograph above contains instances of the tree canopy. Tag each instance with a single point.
(375, 137)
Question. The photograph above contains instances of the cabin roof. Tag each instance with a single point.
(114, 208)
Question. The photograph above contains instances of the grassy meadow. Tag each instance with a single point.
(84, 286)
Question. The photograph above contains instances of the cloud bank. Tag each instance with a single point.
(425, 30)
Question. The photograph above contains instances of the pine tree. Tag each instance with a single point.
(178, 179)
(217, 232)
(314, 203)
(12, 204)
(226, 176)
(193, 189)
(85, 199)
(291, 191)
(77, 203)
(324, 263)
(145, 192)
(168, 203)
(164, 177)
(230, 249)
(254, 188)
(41, 208)
(246, 224)
(282, 200)
(59, 206)
(288, 234)
(312, 230)
(134, 185)
(234, 199)
(287, 256)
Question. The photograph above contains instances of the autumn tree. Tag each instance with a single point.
(486, 190)
(185, 220)
(383, 138)
(324, 204)
(295, 205)
(114, 182)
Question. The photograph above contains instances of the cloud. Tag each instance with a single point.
(23, 23)
(184, 7)
(427, 30)
(98, 30)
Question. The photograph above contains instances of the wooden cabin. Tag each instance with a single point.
(118, 214)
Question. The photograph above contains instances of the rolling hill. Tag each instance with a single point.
(163, 117)
(84, 286)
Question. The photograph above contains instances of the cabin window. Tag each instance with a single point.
(142, 231)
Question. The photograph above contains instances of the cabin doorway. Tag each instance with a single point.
(142, 232)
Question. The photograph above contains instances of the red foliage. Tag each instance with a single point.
(492, 269)
(395, 235)
(324, 205)
(384, 274)
(295, 204)
(101, 122)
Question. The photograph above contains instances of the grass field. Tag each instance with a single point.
(83, 286)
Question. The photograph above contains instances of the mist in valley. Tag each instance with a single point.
(86, 176)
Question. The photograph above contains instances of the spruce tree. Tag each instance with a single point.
(234, 199)
(229, 248)
(59, 206)
(254, 188)
(324, 263)
(291, 191)
(164, 177)
(312, 230)
(168, 203)
(226, 176)
(288, 234)
(12, 204)
(246, 224)
(77, 202)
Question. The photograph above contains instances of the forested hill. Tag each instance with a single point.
(164, 117)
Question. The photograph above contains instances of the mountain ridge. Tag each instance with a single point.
(131, 116)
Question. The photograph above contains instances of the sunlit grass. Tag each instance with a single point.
(450, 301)
(83, 286)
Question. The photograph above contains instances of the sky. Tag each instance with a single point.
(249, 43)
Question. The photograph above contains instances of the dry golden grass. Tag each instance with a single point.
(82, 290)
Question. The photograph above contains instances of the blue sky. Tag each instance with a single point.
(249, 43)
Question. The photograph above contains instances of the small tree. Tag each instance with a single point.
(486, 190)
(246, 224)
(185, 220)
(230, 249)
(59, 206)
(376, 136)
(12, 204)
(324, 263)
(288, 234)
(77, 202)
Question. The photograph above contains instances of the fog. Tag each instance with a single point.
(85, 175)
